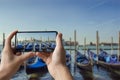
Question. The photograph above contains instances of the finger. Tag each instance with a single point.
(26, 56)
(59, 40)
(59, 50)
(42, 56)
(18, 53)
(14, 50)
(8, 40)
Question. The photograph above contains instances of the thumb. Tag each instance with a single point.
(27, 56)
(59, 40)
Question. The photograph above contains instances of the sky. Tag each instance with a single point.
(44, 36)
(65, 16)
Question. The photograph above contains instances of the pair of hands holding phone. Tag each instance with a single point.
(56, 61)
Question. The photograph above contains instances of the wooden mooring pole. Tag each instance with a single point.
(111, 45)
(119, 46)
(75, 44)
(97, 44)
(84, 46)
(70, 45)
(75, 55)
(3, 40)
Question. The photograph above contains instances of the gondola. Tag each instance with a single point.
(109, 62)
(68, 59)
(92, 56)
(35, 64)
(83, 62)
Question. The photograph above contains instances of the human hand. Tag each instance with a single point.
(56, 61)
(10, 62)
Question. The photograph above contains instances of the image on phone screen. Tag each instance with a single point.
(37, 41)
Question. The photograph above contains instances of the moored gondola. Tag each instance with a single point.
(83, 62)
(109, 61)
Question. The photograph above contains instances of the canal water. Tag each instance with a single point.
(78, 74)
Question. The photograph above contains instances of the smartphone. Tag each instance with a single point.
(36, 41)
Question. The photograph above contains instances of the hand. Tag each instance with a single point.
(56, 61)
(10, 62)
(56, 58)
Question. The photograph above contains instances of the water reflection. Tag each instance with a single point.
(114, 76)
(79, 74)
(101, 74)
(87, 75)
(97, 73)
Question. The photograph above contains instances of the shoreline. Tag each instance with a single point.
(82, 47)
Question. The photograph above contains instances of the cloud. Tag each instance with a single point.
(99, 3)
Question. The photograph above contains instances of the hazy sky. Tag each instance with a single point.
(86, 16)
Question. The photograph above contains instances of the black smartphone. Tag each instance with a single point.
(36, 41)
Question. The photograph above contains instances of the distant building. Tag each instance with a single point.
(108, 44)
(103, 45)
(72, 43)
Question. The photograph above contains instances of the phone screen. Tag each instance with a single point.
(36, 41)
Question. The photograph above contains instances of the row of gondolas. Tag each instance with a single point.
(85, 62)
(102, 58)
(105, 60)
